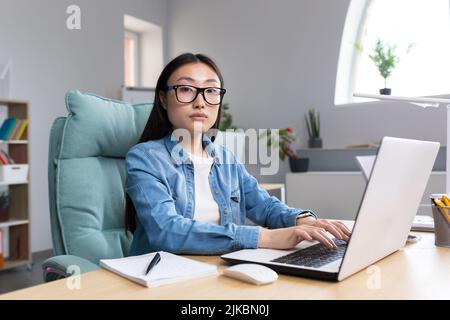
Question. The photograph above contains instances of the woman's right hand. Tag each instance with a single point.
(288, 238)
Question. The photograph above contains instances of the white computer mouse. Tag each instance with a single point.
(251, 273)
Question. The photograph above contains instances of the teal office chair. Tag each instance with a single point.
(86, 176)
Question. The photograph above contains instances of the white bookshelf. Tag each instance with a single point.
(13, 222)
(14, 142)
(6, 183)
(18, 227)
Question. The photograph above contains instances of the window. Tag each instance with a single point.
(143, 52)
(422, 26)
(131, 54)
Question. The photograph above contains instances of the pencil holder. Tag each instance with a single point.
(441, 225)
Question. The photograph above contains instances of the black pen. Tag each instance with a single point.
(153, 263)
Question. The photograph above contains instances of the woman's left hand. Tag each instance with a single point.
(336, 228)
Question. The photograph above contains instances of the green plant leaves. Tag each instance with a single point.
(226, 121)
(384, 58)
(312, 119)
(286, 136)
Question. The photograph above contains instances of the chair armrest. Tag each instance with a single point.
(57, 267)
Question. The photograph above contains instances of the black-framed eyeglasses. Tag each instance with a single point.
(187, 94)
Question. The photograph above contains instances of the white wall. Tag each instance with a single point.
(48, 59)
(279, 58)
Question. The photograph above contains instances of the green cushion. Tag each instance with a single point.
(103, 127)
(90, 174)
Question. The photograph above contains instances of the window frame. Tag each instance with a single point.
(136, 37)
(350, 57)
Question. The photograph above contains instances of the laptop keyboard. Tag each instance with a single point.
(314, 256)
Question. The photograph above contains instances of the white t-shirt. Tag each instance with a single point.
(206, 208)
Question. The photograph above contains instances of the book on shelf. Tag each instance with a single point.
(22, 129)
(171, 268)
(13, 129)
(6, 128)
(5, 158)
(16, 128)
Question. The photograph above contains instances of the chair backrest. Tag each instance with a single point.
(86, 175)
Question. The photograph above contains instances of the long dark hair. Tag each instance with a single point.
(158, 124)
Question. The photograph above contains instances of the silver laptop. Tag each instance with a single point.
(386, 212)
(421, 222)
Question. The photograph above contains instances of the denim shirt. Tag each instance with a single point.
(160, 182)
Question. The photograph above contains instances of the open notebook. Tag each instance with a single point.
(171, 268)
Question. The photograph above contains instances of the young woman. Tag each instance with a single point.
(187, 195)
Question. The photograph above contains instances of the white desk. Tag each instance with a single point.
(418, 271)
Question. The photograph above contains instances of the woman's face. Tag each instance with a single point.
(197, 115)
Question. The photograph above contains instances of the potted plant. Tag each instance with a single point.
(385, 60)
(286, 137)
(313, 126)
(226, 121)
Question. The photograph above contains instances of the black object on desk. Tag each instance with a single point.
(153, 263)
